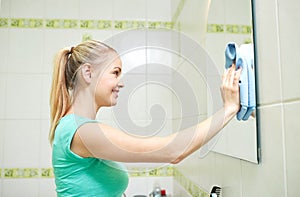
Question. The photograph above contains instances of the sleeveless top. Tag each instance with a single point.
(78, 176)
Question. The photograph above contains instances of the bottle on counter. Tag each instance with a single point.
(156, 191)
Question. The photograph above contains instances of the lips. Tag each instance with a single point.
(115, 92)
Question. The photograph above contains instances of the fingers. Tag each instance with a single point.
(231, 76)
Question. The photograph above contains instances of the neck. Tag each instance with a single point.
(84, 104)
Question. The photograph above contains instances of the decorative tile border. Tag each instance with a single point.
(229, 28)
(21, 173)
(16, 173)
(119, 25)
(80, 24)
(189, 185)
(153, 172)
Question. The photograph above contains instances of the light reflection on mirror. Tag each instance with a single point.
(231, 21)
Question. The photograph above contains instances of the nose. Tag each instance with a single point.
(121, 85)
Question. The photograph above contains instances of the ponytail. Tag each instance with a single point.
(59, 96)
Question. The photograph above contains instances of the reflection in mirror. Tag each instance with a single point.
(231, 21)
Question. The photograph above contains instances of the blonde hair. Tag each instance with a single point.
(66, 65)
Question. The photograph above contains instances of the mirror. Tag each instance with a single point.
(218, 23)
(232, 22)
(172, 75)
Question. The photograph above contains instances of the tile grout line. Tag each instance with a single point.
(281, 97)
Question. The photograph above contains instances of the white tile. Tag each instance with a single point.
(268, 176)
(95, 9)
(145, 185)
(191, 88)
(100, 35)
(227, 174)
(63, 38)
(137, 186)
(194, 27)
(21, 143)
(160, 40)
(20, 187)
(68, 9)
(292, 137)
(133, 127)
(132, 101)
(267, 52)
(238, 139)
(25, 50)
(5, 8)
(174, 5)
(216, 13)
(45, 153)
(159, 96)
(242, 12)
(158, 10)
(159, 61)
(1, 188)
(156, 127)
(47, 188)
(4, 53)
(288, 13)
(27, 9)
(129, 10)
(2, 98)
(23, 96)
(134, 61)
(131, 47)
(215, 46)
(45, 96)
(198, 170)
(2, 128)
(179, 191)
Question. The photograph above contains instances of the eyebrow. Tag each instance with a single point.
(118, 68)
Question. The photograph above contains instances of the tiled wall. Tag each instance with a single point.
(25, 73)
(31, 32)
(278, 46)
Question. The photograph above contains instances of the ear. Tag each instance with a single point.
(86, 71)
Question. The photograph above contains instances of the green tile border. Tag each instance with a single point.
(192, 188)
(152, 172)
(80, 24)
(165, 171)
(36, 23)
(21, 173)
(16, 173)
(229, 28)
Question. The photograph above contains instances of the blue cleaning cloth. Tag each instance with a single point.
(243, 56)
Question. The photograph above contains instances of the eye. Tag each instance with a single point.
(116, 73)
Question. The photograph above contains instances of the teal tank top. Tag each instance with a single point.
(78, 176)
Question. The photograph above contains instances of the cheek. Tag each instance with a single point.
(103, 91)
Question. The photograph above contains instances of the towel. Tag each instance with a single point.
(243, 56)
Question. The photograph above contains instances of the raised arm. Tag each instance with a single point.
(103, 141)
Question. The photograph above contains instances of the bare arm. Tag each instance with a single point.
(103, 141)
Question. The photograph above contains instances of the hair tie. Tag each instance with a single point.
(71, 50)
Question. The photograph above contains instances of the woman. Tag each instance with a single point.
(85, 151)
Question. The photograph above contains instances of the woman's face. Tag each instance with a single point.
(108, 84)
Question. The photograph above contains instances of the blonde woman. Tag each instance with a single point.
(86, 152)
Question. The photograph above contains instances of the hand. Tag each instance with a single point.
(230, 89)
